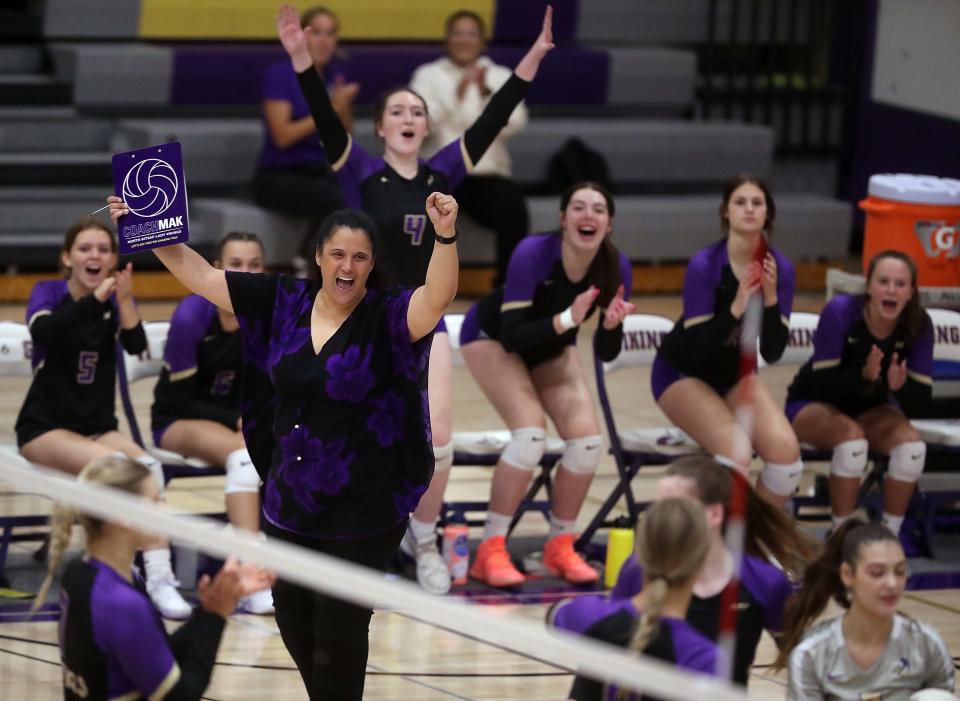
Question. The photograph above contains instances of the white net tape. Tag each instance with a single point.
(368, 588)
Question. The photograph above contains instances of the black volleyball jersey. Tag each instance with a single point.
(704, 343)
(113, 644)
(396, 204)
(840, 348)
(74, 361)
(201, 368)
(520, 314)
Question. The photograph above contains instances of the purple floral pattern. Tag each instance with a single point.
(308, 465)
(406, 497)
(386, 420)
(404, 362)
(350, 377)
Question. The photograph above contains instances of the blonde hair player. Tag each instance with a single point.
(112, 642)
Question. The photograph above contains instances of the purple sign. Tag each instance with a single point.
(150, 180)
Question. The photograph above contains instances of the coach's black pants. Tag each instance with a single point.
(497, 203)
(327, 637)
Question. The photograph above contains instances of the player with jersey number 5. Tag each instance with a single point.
(391, 188)
(68, 417)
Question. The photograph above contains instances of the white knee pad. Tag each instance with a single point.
(906, 461)
(782, 478)
(582, 455)
(849, 459)
(442, 457)
(155, 467)
(242, 477)
(526, 447)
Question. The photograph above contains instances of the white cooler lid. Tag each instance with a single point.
(919, 189)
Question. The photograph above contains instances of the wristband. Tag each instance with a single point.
(566, 319)
(446, 239)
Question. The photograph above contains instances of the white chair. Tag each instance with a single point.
(16, 348)
(483, 448)
(146, 365)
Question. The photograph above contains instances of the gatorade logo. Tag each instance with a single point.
(938, 237)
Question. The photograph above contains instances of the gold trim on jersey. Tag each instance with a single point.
(785, 320)
(36, 315)
(180, 374)
(129, 696)
(825, 364)
(507, 306)
(694, 320)
(467, 161)
(343, 158)
(168, 683)
(920, 377)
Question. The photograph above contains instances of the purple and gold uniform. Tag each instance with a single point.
(520, 314)
(704, 343)
(842, 342)
(614, 622)
(113, 644)
(201, 373)
(74, 362)
(395, 203)
(764, 591)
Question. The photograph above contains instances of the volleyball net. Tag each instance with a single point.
(24, 664)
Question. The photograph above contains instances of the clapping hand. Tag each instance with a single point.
(896, 373)
(617, 310)
(871, 368)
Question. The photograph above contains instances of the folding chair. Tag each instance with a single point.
(16, 348)
(483, 448)
(139, 367)
(634, 447)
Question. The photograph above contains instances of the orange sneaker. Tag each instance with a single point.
(493, 565)
(561, 560)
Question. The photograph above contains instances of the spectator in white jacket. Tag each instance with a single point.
(456, 88)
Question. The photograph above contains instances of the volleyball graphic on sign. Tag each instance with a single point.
(150, 187)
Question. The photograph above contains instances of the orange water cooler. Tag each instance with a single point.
(920, 216)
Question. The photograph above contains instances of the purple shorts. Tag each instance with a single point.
(470, 329)
(793, 407)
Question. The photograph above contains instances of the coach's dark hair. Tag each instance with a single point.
(604, 270)
(822, 580)
(241, 236)
(381, 104)
(70, 237)
(747, 179)
(911, 318)
(768, 530)
(350, 219)
(465, 14)
(311, 13)
(116, 471)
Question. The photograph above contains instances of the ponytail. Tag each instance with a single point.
(672, 542)
(769, 533)
(62, 522)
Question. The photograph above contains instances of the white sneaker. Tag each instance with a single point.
(259, 603)
(165, 597)
(432, 572)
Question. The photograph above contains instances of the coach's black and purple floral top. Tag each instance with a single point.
(341, 438)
